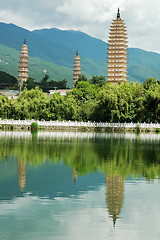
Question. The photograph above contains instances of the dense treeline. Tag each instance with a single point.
(45, 84)
(127, 102)
(7, 81)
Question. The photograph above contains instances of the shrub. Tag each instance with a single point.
(138, 128)
(34, 126)
(157, 130)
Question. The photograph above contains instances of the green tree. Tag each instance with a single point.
(69, 108)
(84, 91)
(106, 108)
(118, 103)
(63, 107)
(84, 95)
(31, 104)
(82, 78)
(30, 83)
(98, 80)
(5, 105)
(152, 101)
(55, 103)
(150, 83)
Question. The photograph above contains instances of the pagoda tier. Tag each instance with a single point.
(117, 39)
(23, 65)
(117, 51)
(77, 69)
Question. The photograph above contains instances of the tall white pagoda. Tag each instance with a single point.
(117, 51)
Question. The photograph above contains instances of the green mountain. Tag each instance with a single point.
(88, 46)
(142, 65)
(53, 50)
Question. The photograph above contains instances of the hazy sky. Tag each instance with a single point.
(142, 17)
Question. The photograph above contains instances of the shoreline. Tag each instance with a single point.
(80, 129)
(74, 126)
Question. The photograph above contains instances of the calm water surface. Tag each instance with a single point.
(79, 186)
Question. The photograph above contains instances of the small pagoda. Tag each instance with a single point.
(117, 51)
(23, 65)
(77, 69)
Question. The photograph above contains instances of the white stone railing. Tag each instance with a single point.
(79, 124)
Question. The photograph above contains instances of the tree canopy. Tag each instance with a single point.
(126, 102)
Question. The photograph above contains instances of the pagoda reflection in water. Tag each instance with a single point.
(115, 196)
(21, 174)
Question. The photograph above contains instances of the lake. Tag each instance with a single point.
(67, 185)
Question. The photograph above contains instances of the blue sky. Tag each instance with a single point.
(93, 17)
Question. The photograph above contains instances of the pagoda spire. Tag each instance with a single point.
(118, 13)
(76, 52)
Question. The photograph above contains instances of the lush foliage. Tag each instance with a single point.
(127, 102)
